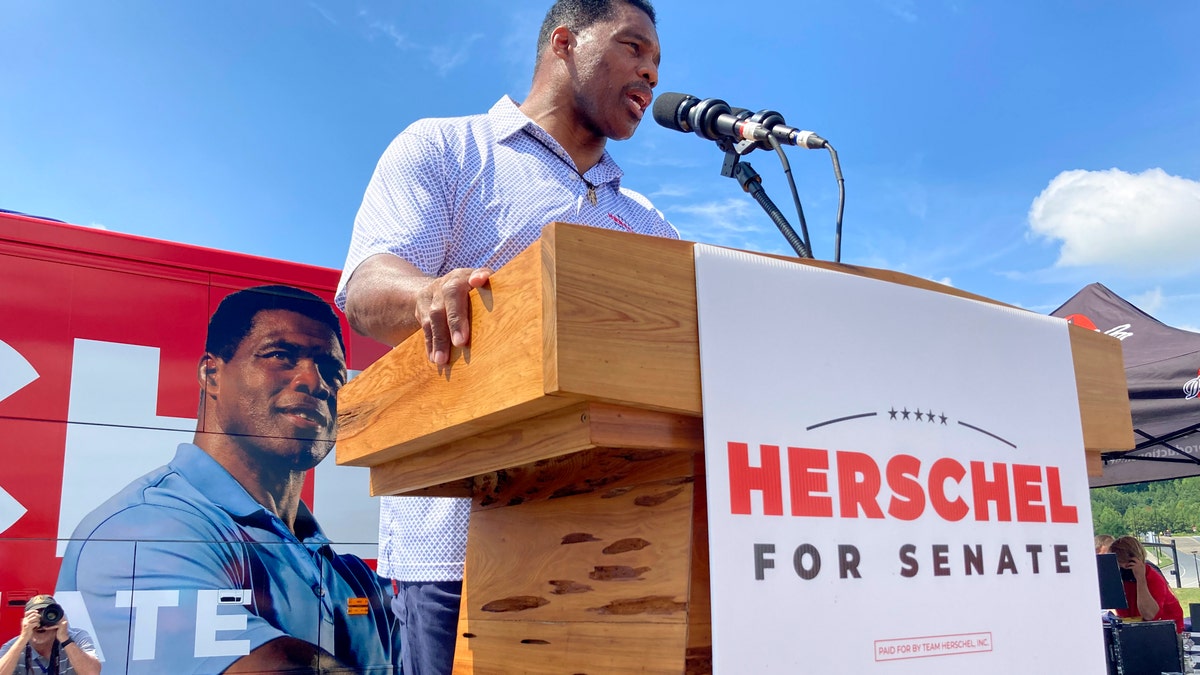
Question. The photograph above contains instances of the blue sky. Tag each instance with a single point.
(1019, 150)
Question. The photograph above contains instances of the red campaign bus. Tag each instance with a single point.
(100, 337)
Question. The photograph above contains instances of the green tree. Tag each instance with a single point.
(1106, 520)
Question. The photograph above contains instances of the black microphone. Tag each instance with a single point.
(713, 119)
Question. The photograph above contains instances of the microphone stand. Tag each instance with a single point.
(751, 182)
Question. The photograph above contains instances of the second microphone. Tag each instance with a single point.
(713, 119)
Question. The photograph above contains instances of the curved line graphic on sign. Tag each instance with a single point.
(15, 371)
(985, 432)
(839, 419)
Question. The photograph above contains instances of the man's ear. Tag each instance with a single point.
(208, 373)
(562, 42)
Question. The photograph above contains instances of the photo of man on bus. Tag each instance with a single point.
(212, 563)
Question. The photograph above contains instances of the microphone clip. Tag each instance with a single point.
(734, 150)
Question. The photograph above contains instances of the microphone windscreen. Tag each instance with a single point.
(667, 107)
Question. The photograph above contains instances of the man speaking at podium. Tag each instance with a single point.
(450, 201)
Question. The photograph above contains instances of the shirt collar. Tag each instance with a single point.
(222, 489)
(507, 121)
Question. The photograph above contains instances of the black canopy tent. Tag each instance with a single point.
(1162, 370)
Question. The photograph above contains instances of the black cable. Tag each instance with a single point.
(787, 171)
(837, 172)
(750, 181)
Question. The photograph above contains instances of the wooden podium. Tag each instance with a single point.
(573, 421)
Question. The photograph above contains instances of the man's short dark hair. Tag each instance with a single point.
(579, 14)
(234, 318)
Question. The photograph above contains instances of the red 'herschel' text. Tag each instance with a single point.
(846, 484)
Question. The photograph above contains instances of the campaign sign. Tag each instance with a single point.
(896, 478)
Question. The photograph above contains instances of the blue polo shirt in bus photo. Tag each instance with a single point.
(183, 571)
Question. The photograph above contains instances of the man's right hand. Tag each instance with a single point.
(442, 310)
(389, 298)
(31, 622)
(29, 625)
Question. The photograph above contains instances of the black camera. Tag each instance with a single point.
(49, 611)
(51, 614)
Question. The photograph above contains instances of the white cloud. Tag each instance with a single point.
(1150, 302)
(902, 9)
(447, 57)
(1169, 305)
(443, 57)
(520, 40)
(323, 12)
(1146, 223)
(909, 194)
(389, 30)
(722, 211)
(672, 190)
(97, 226)
(735, 223)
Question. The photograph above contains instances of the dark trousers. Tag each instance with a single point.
(428, 616)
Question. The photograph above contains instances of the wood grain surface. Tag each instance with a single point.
(576, 562)
(589, 314)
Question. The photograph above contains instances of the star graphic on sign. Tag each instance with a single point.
(943, 417)
(905, 413)
(929, 415)
(920, 415)
(892, 412)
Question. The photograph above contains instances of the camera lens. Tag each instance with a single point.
(52, 614)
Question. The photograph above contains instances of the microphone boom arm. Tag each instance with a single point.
(751, 182)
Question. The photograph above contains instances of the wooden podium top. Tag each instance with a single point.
(586, 314)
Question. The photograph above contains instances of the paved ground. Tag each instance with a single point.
(1189, 559)
(1185, 544)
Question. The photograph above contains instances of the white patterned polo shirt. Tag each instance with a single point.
(471, 192)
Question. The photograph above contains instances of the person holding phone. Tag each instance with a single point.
(1147, 593)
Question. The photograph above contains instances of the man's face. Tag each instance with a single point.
(615, 68)
(276, 396)
(43, 635)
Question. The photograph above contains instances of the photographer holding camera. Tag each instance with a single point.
(45, 640)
